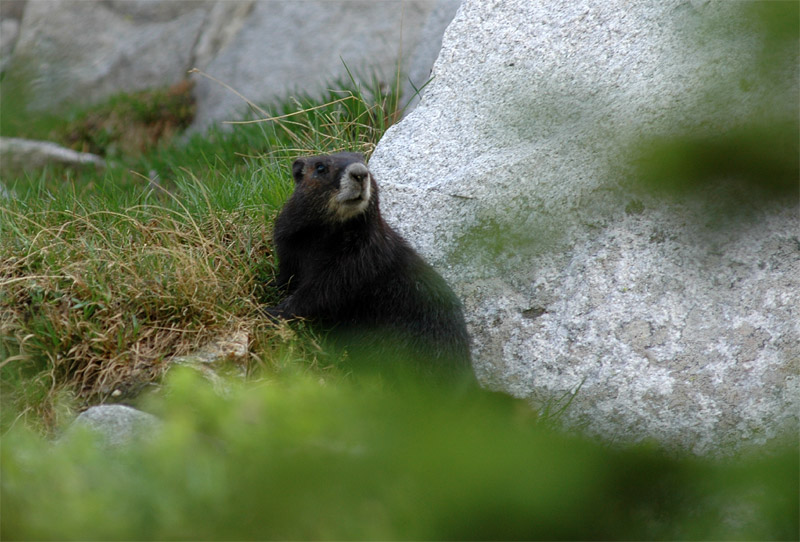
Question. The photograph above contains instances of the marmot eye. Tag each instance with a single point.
(322, 169)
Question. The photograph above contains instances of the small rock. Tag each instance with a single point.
(231, 347)
(5, 193)
(117, 425)
(23, 154)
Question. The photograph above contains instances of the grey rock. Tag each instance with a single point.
(224, 20)
(9, 30)
(10, 15)
(80, 52)
(117, 425)
(229, 347)
(507, 178)
(290, 47)
(12, 9)
(8, 37)
(73, 51)
(427, 50)
(209, 359)
(154, 11)
(18, 155)
(5, 193)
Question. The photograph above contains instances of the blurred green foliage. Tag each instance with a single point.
(757, 158)
(303, 459)
(749, 146)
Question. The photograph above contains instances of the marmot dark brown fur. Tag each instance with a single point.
(345, 269)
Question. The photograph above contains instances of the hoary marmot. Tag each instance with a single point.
(342, 267)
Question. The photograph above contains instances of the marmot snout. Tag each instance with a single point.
(343, 268)
(354, 191)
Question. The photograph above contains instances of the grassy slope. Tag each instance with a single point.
(106, 275)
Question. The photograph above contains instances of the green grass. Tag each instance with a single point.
(107, 275)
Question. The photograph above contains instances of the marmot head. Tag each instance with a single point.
(339, 185)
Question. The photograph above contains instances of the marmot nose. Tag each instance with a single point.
(358, 172)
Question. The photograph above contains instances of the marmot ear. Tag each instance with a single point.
(297, 170)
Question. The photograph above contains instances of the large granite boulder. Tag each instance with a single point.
(673, 319)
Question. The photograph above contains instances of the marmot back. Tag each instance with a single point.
(344, 269)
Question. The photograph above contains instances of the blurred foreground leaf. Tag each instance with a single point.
(306, 460)
(746, 130)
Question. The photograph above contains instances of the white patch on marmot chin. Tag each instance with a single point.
(353, 196)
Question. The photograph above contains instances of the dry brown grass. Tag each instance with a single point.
(103, 300)
(132, 124)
